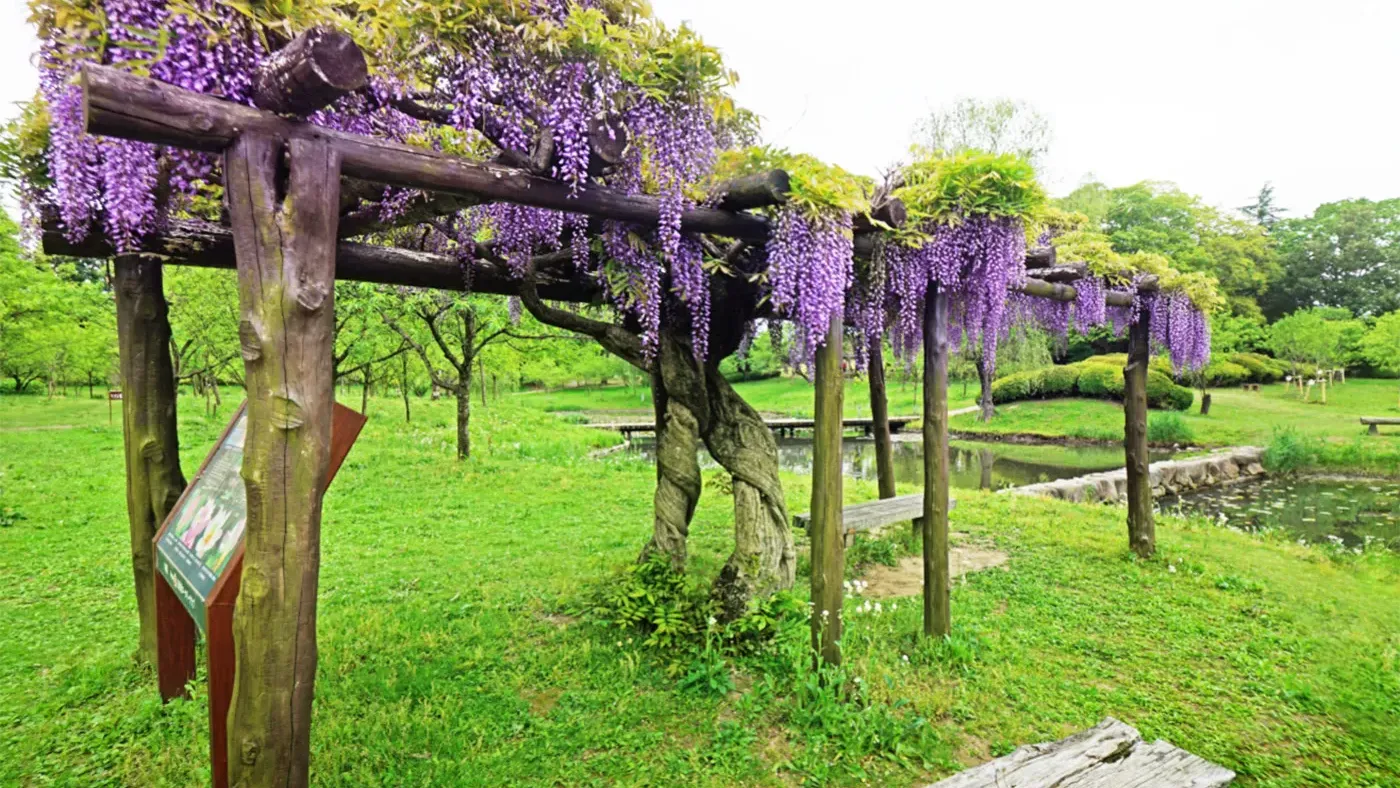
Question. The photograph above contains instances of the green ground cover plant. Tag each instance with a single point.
(461, 642)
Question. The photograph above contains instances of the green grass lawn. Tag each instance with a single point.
(450, 653)
(785, 396)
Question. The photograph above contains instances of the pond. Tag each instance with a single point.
(985, 465)
(1344, 511)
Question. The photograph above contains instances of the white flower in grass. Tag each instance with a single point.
(713, 621)
(1171, 569)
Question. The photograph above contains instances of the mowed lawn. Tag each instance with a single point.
(452, 651)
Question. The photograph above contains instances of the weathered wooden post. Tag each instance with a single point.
(880, 420)
(154, 480)
(285, 243)
(828, 541)
(937, 615)
(1142, 537)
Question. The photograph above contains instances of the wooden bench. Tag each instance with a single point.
(1111, 753)
(1375, 423)
(871, 515)
(1250, 386)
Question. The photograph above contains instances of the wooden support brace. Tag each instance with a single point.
(828, 535)
(1142, 535)
(285, 244)
(316, 68)
(937, 579)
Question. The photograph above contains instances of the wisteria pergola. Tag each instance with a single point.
(286, 235)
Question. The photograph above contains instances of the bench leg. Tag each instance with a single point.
(918, 525)
(849, 539)
(1375, 430)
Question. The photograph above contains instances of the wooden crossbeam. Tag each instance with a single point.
(119, 104)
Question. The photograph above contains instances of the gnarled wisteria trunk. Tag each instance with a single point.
(984, 398)
(678, 479)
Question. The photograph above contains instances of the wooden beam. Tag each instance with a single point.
(151, 445)
(1069, 272)
(286, 270)
(754, 191)
(828, 537)
(1142, 535)
(119, 104)
(313, 71)
(207, 245)
(937, 580)
(880, 418)
(1040, 257)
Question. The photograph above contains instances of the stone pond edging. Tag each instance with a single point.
(1168, 477)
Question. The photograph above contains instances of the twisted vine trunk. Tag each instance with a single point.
(154, 480)
(678, 480)
(285, 244)
(764, 560)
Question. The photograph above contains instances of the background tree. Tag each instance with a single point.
(1160, 218)
(1381, 345)
(1347, 254)
(1263, 211)
(995, 126)
(1307, 339)
(204, 329)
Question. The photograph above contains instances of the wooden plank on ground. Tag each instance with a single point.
(1111, 754)
(875, 514)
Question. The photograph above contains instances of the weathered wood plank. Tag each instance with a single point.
(871, 515)
(1111, 754)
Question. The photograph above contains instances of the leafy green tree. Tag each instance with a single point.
(1307, 338)
(1238, 333)
(1347, 254)
(1381, 344)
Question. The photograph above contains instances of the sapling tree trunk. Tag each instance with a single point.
(403, 388)
(285, 244)
(1142, 534)
(154, 480)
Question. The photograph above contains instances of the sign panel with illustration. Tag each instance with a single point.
(207, 525)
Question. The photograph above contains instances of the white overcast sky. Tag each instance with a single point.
(1218, 96)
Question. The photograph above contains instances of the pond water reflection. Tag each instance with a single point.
(975, 465)
(1314, 509)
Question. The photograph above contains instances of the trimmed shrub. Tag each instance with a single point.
(1226, 373)
(1261, 369)
(1058, 381)
(1012, 388)
(1101, 380)
(1163, 393)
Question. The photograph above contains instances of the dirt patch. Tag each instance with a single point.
(542, 702)
(558, 619)
(38, 429)
(907, 579)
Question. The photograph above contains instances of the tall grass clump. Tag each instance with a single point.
(1168, 427)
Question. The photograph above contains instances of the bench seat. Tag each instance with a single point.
(873, 515)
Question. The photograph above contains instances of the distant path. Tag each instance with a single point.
(39, 429)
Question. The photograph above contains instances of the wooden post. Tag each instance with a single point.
(1142, 536)
(937, 614)
(880, 420)
(285, 244)
(154, 480)
(828, 541)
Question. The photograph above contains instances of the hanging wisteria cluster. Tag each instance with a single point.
(976, 261)
(1181, 329)
(117, 180)
(810, 260)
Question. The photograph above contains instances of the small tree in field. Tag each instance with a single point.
(1381, 345)
(1306, 337)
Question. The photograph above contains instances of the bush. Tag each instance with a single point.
(1289, 451)
(1162, 392)
(1012, 388)
(1261, 369)
(1168, 428)
(1100, 380)
(1225, 373)
(1058, 381)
